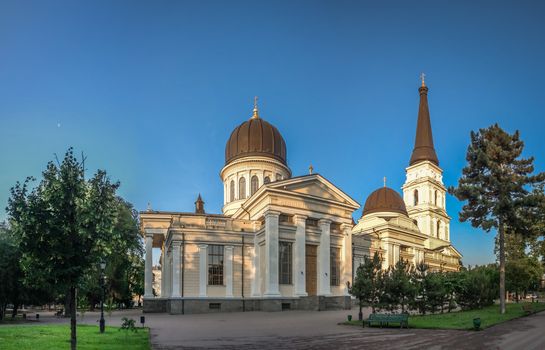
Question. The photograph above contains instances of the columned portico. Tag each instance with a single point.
(299, 272)
(175, 270)
(324, 284)
(271, 254)
(148, 278)
(203, 282)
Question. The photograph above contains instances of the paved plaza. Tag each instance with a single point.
(315, 330)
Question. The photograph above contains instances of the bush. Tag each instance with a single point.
(478, 287)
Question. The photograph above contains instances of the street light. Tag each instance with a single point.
(102, 284)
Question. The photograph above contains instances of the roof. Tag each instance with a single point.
(423, 143)
(384, 199)
(255, 137)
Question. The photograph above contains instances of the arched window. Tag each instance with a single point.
(242, 188)
(278, 177)
(438, 229)
(415, 195)
(435, 198)
(266, 180)
(232, 191)
(254, 185)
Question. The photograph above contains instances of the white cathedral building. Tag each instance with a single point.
(290, 242)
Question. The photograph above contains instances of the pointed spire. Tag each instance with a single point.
(199, 205)
(256, 111)
(423, 143)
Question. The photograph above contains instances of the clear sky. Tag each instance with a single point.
(150, 90)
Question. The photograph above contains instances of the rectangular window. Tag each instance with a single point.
(284, 263)
(215, 265)
(335, 265)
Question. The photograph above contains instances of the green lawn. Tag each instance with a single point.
(464, 319)
(58, 337)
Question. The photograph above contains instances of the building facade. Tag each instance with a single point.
(284, 242)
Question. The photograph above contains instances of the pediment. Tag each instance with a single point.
(315, 186)
(449, 251)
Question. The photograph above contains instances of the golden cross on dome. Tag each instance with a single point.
(384, 179)
(256, 112)
(423, 77)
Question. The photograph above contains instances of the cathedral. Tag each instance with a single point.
(290, 242)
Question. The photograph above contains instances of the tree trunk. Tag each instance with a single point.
(502, 266)
(73, 340)
(14, 311)
(67, 301)
(3, 310)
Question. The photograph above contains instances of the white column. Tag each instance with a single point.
(163, 271)
(148, 275)
(396, 253)
(346, 261)
(203, 266)
(256, 282)
(299, 272)
(168, 274)
(228, 251)
(324, 279)
(271, 254)
(175, 270)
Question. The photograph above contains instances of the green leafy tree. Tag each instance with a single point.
(523, 274)
(11, 289)
(367, 285)
(497, 186)
(477, 287)
(122, 254)
(63, 224)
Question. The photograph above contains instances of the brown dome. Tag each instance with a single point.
(384, 200)
(255, 137)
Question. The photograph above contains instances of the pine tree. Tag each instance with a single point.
(368, 282)
(497, 185)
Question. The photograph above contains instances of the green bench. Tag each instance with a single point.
(386, 319)
(528, 309)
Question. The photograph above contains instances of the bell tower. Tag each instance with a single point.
(423, 192)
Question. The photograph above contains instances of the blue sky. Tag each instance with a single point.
(150, 90)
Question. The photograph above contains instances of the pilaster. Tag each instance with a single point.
(203, 266)
(256, 282)
(175, 269)
(299, 273)
(324, 257)
(228, 258)
(346, 261)
(271, 254)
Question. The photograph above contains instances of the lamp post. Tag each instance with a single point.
(102, 284)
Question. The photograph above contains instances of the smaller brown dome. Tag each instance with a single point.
(384, 199)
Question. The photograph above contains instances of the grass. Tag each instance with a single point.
(58, 337)
(489, 316)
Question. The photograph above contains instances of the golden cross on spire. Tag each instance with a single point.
(384, 179)
(256, 112)
(423, 77)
